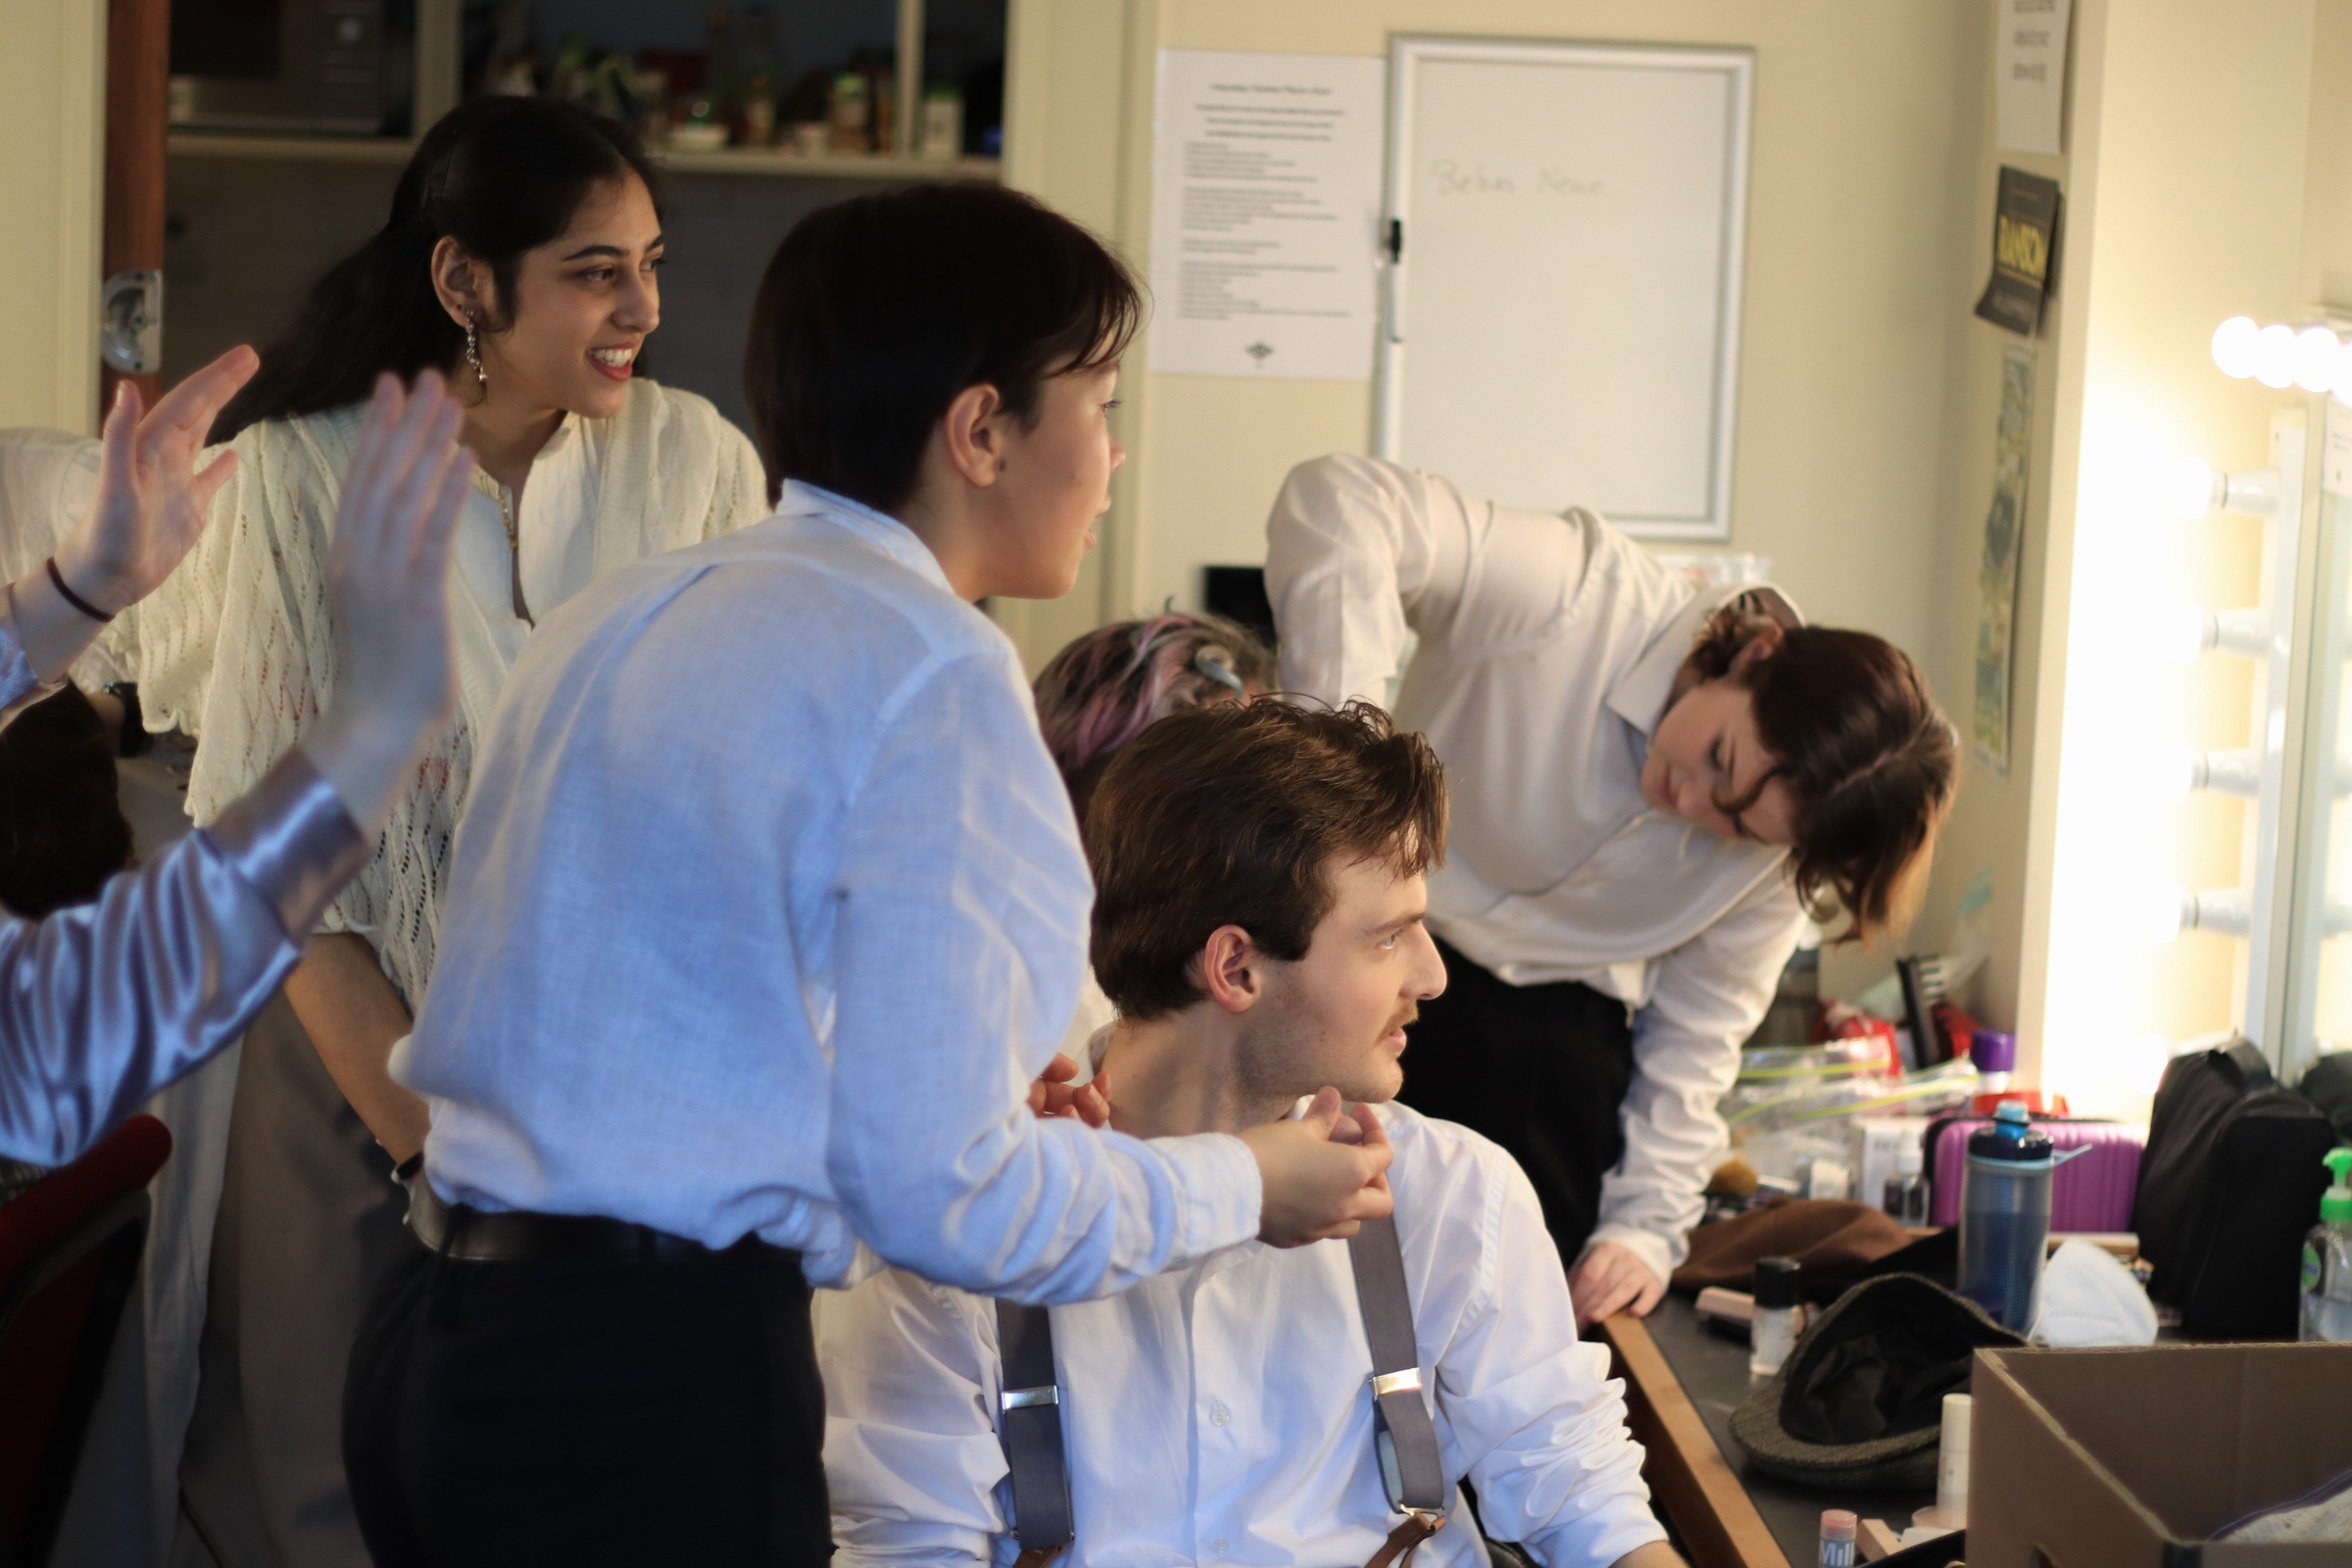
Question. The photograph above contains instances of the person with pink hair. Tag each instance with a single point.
(1106, 688)
(1099, 693)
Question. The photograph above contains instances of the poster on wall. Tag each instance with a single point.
(1265, 213)
(2029, 82)
(1996, 577)
(2025, 242)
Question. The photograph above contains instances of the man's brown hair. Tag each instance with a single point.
(1229, 816)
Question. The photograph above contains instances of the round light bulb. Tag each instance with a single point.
(2180, 634)
(2315, 358)
(2173, 772)
(2181, 490)
(2165, 910)
(2233, 346)
(2275, 356)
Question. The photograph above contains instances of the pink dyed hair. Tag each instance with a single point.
(1106, 688)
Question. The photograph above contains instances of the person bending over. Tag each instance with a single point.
(768, 910)
(1258, 923)
(1658, 785)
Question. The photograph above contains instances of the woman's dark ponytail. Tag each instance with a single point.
(499, 175)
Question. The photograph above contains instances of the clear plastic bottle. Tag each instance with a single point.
(1905, 1198)
(1780, 1316)
(2328, 1258)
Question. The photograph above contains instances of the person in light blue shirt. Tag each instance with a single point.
(768, 910)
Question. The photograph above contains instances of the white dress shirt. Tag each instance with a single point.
(767, 907)
(556, 529)
(1223, 1413)
(1548, 650)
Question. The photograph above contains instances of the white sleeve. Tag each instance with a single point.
(960, 941)
(1355, 547)
(1706, 1000)
(1534, 1411)
(912, 1462)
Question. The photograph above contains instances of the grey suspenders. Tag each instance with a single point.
(1029, 1425)
(1404, 1438)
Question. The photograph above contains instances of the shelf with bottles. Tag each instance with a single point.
(771, 88)
(749, 87)
(263, 147)
(772, 162)
(762, 161)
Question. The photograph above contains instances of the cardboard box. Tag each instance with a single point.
(2131, 1458)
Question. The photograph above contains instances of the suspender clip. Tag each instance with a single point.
(1029, 1398)
(1385, 1383)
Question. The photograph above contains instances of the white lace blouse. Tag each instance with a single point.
(237, 649)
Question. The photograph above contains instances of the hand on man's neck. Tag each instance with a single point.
(1184, 1073)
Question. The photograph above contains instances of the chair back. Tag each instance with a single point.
(69, 1248)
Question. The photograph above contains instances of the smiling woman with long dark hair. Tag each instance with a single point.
(520, 259)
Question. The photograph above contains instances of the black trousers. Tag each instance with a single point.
(1542, 1069)
(501, 1413)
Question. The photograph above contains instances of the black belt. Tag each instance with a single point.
(481, 1235)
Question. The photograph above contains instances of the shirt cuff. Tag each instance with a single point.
(1219, 1191)
(1658, 1253)
(291, 838)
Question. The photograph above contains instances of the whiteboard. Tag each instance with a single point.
(1561, 305)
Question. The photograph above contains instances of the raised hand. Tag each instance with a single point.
(151, 501)
(387, 580)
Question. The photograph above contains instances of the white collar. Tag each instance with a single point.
(1639, 695)
(803, 500)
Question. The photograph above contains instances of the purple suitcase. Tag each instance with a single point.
(2091, 1192)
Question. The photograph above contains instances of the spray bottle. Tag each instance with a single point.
(2327, 1258)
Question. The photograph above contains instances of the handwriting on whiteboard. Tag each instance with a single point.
(1449, 178)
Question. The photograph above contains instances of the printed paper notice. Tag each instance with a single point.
(1265, 213)
(1996, 575)
(2029, 92)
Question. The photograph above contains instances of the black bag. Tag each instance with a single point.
(2231, 1182)
(2328, 1086)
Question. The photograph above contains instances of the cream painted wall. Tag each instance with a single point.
(1985, 840)
(2209, 172)
(1863, 252)
(2327, 173)
(52, 75)
(1865, 150)
(2185, 181)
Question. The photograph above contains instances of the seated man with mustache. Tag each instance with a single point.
(1259, 926)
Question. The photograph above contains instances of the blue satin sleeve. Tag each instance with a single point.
(16, 670)
(103, 1005)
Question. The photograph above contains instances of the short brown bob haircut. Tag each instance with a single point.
(1871, 763)
(877, 312)
(1229, 815)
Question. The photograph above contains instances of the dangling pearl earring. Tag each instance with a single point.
(473, 356)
